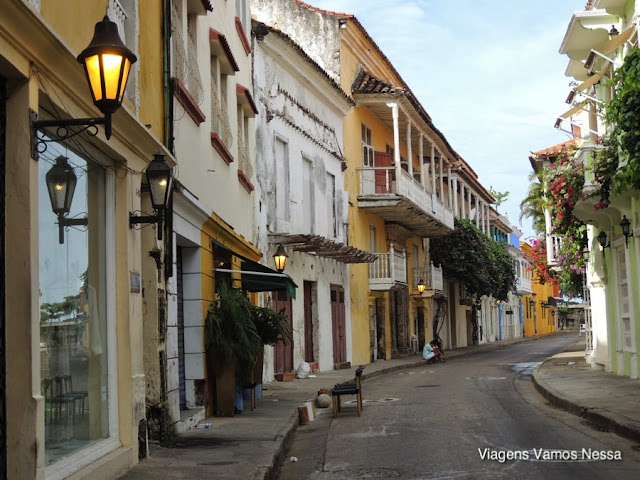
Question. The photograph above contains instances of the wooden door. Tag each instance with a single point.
(383, 184)
(283, 353)
(308, 322)
(338, 323)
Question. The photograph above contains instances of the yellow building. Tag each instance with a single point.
(73, 328)
(540, 311)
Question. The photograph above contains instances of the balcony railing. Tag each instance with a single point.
(118, 15)
(381, 183)
(387, 270)
(432, 277)
(219, 119)
(244, 162)
(553, 249)
(185, 65)
(523, 285)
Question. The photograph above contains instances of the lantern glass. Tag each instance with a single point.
(107, 63)
(421, 286)
(280, 258)
(159, 180)
(625, 224)
(61, 184)
(602, 239)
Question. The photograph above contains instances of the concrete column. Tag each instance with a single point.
(455, 197)
(396, 141)
(469, 200)
(433, 169)
(441, 171)
(421, 154)
(462, 197)
(409, 152)
(477, 215)
(449, 184)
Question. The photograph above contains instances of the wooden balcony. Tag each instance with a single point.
(433, 280)
(388, 270)
(404, 201)
(523, 286)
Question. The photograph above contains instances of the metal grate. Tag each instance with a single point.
(185, 64)
(219, 118)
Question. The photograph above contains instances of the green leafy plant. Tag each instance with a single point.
(271, 326)
(230, 331)
(623, 115)
(467, 255)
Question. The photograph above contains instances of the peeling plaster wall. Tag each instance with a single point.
(305, 28)
(298, 104)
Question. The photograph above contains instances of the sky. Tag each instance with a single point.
(488, 72)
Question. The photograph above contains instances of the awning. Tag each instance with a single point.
(570, 112)
(609, 46)
(323, 247)
(590, 82)
(256, 277)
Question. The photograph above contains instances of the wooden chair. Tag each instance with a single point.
(348, 388)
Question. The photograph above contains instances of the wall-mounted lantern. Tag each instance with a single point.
(602, 240)
(159, 179)
(107, 63)
(61, 183)
(626, 229)
(280, 258)
(421, 286)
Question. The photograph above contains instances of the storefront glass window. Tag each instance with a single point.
(73, 311)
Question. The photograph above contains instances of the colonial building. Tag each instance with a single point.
(77, 272)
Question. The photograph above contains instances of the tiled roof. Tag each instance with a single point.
(365, 82)
(311, 8)
(555, 150)
(260, 29)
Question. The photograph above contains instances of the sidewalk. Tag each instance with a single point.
(606, 400)
(251, 445)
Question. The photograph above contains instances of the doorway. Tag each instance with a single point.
(308, 322)
(339, 324)
(283, 355)
(3, 365)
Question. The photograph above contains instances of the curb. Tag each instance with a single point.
(596, 419)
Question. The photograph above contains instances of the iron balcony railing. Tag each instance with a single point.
(244, 161)
(219, 118)
(184, 63)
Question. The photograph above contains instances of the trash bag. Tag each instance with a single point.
(303, 370)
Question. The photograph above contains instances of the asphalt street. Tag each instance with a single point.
(472, 417)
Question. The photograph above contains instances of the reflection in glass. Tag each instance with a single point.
(73, 315)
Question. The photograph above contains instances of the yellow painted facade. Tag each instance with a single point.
(538, 320)
(357, 52)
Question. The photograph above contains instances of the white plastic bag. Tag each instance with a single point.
(303, 370)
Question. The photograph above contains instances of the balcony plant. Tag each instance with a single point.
(623, 142)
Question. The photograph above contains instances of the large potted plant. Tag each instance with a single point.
(232, 345)
(271, 327)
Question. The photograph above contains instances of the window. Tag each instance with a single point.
(241, 12)
(308, 206)
(331, 206)
(76, 363)
(367, 147)
(623, 291)
(283, 194)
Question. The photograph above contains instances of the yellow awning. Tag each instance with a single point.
(573, 110)
(609, 46)
(592, 80)
(570, 112)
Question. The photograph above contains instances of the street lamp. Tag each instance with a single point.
(159, 179)
(421, 286)
(61, 183)
(280, 258)
(107, 63)
(602, 240)
(626, 227)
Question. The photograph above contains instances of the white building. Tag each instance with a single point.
(302, 204)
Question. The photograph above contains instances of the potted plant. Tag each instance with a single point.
(232, 344)
(271, 327)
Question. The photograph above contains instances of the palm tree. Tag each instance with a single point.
(534, 204)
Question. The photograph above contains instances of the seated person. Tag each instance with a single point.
(431, 352)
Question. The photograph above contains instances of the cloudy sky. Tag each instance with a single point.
(487, 71)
